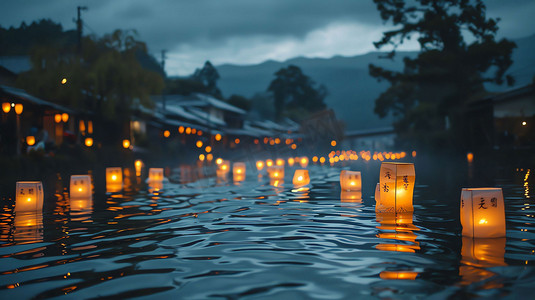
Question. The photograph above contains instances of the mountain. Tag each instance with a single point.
(352, 91)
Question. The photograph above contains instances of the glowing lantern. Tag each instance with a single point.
(193, 131)
(259, 165)
(155, 174)
(279, 162)
(6, 107)
(155, 186)
(18, 108)
(199, 144)
(208, 149)
(303, 162)
(167, 133)
(333, 143)
(314, 159)
(209, 157)
(181, 129)
(322, 160)
(80, 187)
(276, 172)
(482, 212)
(90, 127)
(224, 166)
(301, 178)
(269, 163)
(237, 141)
(138, 165)
(29, 196)
(89, 142)
(57, 118)
(218, 137)
(351, 196)
(291, 161)
(126, 143)
(238, 169)
(65, 117)
(81, 126)
(396, 187)
(350, 181)
(30, 140)
(201, 157)
(470, 157)
(114, 180)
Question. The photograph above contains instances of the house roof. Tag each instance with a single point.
(16, 64)
(23, 95)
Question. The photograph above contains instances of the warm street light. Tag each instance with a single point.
(89, 142)
(57, 118)
(30, 140)
(18, 108)
(126, 143)
(6, 107)
(65, 117)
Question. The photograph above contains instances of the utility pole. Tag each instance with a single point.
(79, 26)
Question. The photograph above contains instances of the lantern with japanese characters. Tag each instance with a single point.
(156, 174)
(301, 178)
(350, 181)
(238, 171)
(114, 180)
(396, 186)
(29, 196)
(276, 172)
(80, 187)
(482, 212)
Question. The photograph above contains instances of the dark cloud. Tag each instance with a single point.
(207, 26)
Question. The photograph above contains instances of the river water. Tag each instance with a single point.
(210, 238)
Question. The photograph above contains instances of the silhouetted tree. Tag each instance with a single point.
(208, 76)
(430, 94)
(240, 101)
(293, 90)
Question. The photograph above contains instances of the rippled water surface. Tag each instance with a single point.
(212, 238)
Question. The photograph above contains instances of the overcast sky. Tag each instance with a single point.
(243, 31)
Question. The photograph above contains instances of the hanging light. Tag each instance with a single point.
(6, 107)
(18, 108)
(65, 117)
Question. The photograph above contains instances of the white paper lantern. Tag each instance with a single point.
(396, 187)
(80, 187)
(29, 196)
(350, 180)
(482, 212)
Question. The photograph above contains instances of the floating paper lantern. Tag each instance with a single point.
(259, 165)
(114, 180)
(301, 178)
(269, 163)
(155, 174)
(238, 169)
(29, 196)
(350, 181)
(276, 172)
(303, 161)
(291, 161)
(30, 140)
(126, 143)
(88, 142)
(396, 187)
(279, 162)
(482, 212)
(224, 166)
(351, 196)
(80, 186)
(138, 165)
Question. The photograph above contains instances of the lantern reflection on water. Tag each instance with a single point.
(351, 196)
(482, 212)
(28, 226)
(114, 180)
(155, 186)
(29, 196)
(398, 227)
(396, 187)
(350, 181)
(479, 254)
(301, 178)
(398, 275)
(80, 186)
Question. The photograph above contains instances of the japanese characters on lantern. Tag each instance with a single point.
(482, 212)
(396, 186)
(29, 196)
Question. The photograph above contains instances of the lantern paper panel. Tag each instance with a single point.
(276, 172)
(301, 178)
(238, 169)
(28, 226)
(80, 186)
(350, 180)
(396, 187)
(156, 174)
(482, 212)
(114, 179)
(29, 196)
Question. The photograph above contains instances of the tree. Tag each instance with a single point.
(430, 95)
(294, 91)
(208, 76)
(240, 101)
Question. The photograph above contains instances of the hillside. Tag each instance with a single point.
(352, 91)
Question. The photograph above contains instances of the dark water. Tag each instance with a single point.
(217, 239)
